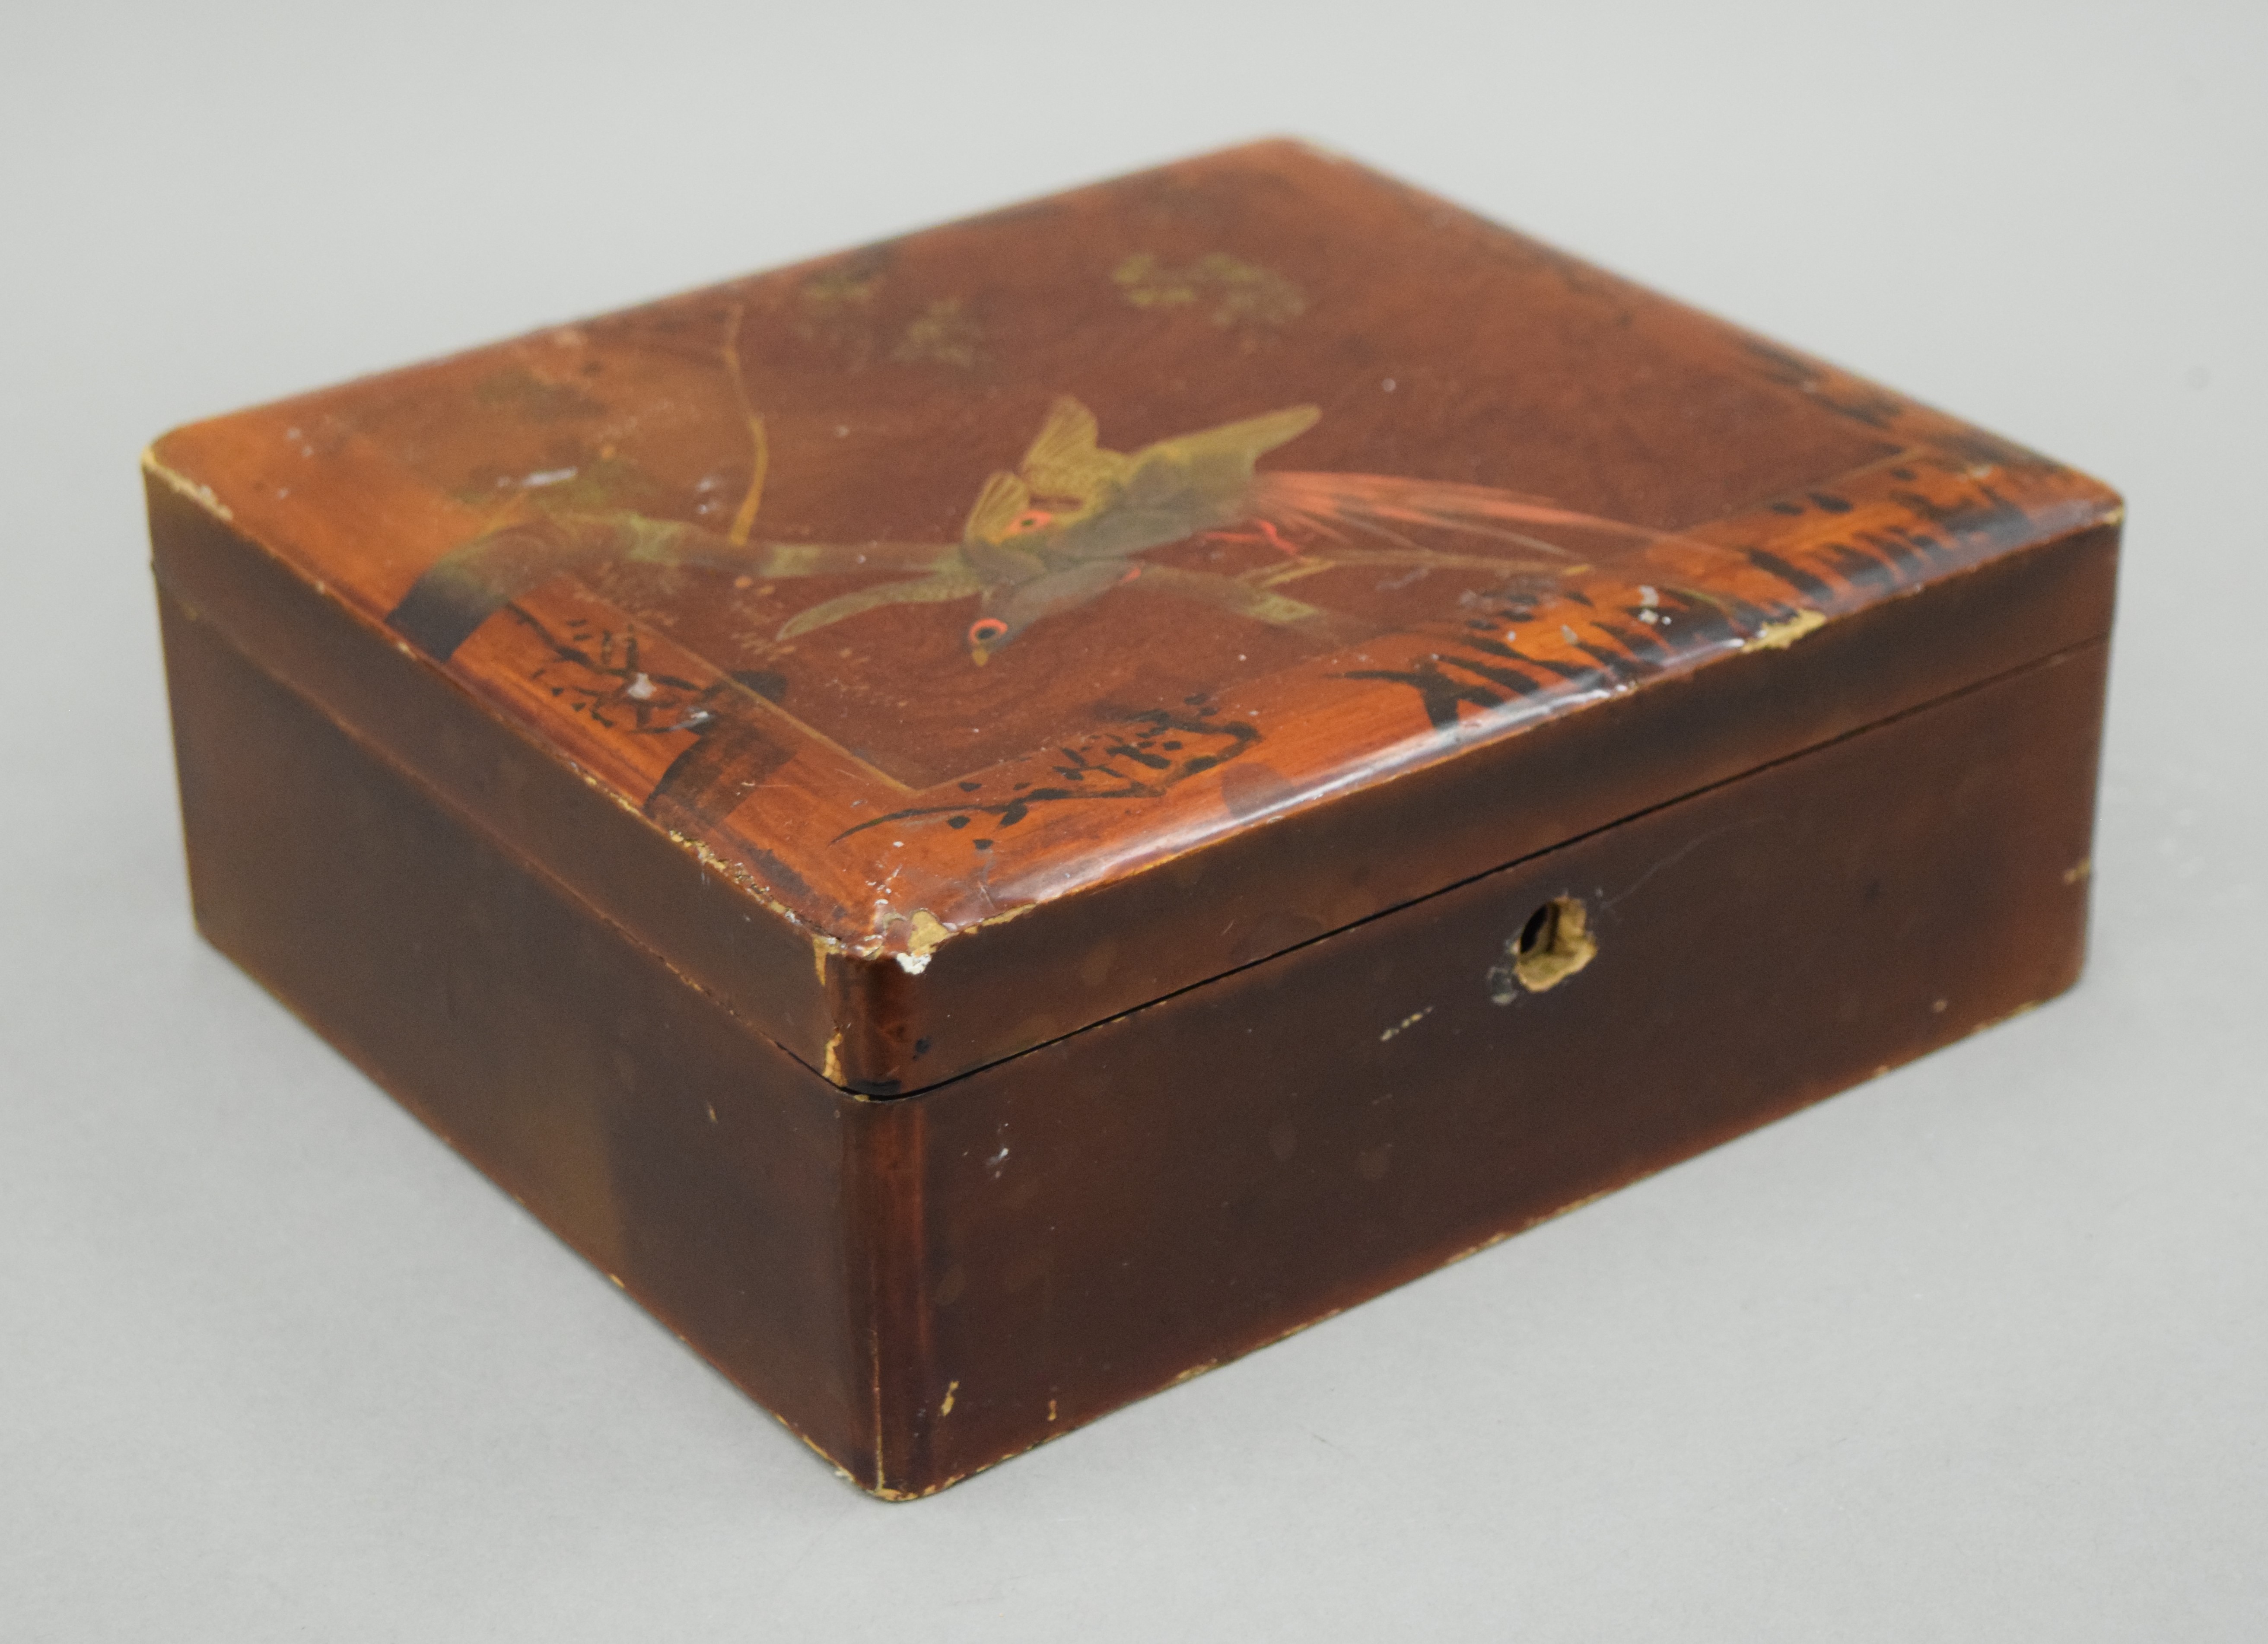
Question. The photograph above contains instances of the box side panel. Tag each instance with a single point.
(622, 864)
(690, 1159)
(1139, 1202)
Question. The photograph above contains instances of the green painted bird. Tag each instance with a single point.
(1071, 521)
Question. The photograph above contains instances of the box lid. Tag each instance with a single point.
(988, 631)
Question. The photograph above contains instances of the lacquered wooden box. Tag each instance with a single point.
(990, 822)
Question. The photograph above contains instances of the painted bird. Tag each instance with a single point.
(1073, 521)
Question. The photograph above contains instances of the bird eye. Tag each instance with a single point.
(1032, 520)
(985, 629)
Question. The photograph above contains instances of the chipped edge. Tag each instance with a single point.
(195, 491)
(1780, 634)
(924, 932)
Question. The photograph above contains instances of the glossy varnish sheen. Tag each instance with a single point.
(970, 819)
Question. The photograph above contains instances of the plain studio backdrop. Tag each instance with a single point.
(1977, 1350)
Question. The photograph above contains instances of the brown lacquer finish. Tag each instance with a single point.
(988, 822)
(1123, 588)
(923, 1287)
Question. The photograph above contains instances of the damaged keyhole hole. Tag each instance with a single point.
(1553, 945)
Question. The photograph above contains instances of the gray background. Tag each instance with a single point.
(1977, 1351)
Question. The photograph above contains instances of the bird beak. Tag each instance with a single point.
(979, 655)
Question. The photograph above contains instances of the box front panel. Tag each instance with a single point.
(1109, 1213)
(923, 1287)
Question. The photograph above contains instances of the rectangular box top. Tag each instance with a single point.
(968, 582)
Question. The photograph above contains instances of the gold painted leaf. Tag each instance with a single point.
(1240, 294)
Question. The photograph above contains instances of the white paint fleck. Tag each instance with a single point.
(641, 687)
(924, 932)
(1405, 1024)
(547, 477)
(1388, 384)
(1567, 633)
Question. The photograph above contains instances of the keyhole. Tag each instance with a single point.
(1553, 944)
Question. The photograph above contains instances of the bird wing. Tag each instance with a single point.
(945, 585)
(997, 507)
(1062, 588)
(1242, 442)
(1065, 462)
